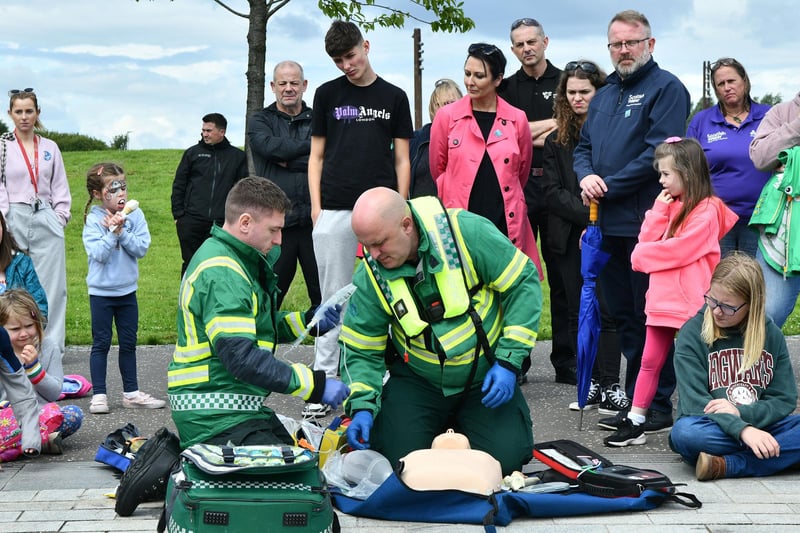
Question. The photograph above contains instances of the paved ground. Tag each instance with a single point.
(68, 492)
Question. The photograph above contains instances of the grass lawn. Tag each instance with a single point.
(150, 174)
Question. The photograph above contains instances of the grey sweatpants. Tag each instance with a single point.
(335, 247)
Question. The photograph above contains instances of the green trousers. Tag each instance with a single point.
(413, 412)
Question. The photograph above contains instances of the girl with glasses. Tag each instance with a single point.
(35, 198)
(679, 248)
(735, 379)
(480, 151)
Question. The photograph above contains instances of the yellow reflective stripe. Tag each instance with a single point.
(520, 334)
(295, 322)
(511, 272)
(306, 378)
(191, 354)
(187, 376)
(267, 345)
(357, 341)
(232, 325)
(457, 335)
(433, 359)
(187, 291)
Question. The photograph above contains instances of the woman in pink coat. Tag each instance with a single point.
(480, 151)
(679, 248)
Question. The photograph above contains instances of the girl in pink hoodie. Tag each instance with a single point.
(679, 247)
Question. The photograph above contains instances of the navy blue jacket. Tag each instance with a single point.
(627, 119)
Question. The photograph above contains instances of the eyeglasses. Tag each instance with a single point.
(525, 22)
(633, 43)
(585, 66)
(482, 48)
(12, 92)
(441, 82)
(727, 310)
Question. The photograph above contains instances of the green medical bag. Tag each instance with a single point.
(248, 489)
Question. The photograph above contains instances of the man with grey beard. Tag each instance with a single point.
(641, 106)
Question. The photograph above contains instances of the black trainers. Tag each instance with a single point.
(657, 421)
(614, 400)
(146, 477)
(627, 433)
(613, 422)
(592, 401)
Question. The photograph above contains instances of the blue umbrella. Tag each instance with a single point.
(593, 259)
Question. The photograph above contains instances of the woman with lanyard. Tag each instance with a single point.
(35, 198)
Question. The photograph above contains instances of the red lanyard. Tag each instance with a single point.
(32, 170)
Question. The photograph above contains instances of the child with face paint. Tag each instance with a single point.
(114, 244)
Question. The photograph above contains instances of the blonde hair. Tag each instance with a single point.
(740, 274)
(443, 88)
(20, 303)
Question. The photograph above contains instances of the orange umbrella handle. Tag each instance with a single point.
(593, 212)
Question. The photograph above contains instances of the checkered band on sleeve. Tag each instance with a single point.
(216, 401)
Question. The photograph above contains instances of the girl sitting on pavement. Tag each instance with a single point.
(679, 248)
(22, 319)
(735, 379)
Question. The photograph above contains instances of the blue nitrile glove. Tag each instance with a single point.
(498, 385)
(335, 393)
(330, 319)
(358, 430)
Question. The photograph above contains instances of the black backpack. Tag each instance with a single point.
(146, 477)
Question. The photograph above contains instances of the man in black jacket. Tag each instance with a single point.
(205, 175)
(280, 140)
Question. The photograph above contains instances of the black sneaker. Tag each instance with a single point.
(627, 434)
(614, 400)
(657, 421)
(613, 422)
(592, 401)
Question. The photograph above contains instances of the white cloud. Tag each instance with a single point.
(132, 51)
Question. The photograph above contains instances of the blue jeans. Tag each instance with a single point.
(781, 293)
(694, 434)
(124, 311)
(625, 291)
(741, 238)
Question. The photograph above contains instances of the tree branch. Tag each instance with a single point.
(243, 15)
(277, 7)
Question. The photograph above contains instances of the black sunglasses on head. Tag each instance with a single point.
(525, 22)
(585, 66)
(12, 92)
(482, 48)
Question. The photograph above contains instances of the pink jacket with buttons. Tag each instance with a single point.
(680, 267)
(456, 151)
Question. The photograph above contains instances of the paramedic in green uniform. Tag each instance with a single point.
(435, 288)
(224, 364)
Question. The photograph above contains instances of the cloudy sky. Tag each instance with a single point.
(153, 68)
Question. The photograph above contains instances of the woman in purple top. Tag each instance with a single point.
(725, 131)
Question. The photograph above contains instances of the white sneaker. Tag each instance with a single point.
(99, 405)
(142, 400)
(316, 410)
